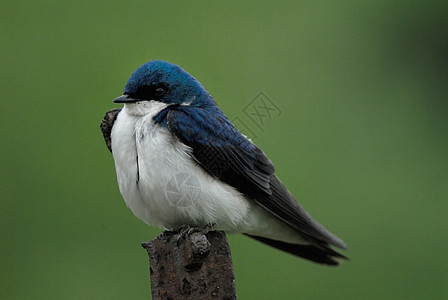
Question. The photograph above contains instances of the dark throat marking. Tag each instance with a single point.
(138, 171)
(137, 179)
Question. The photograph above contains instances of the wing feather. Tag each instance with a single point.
(228, 155)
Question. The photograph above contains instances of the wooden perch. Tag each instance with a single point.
(191, 265)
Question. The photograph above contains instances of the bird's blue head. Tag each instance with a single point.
(164, 82)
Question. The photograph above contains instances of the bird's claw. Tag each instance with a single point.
(165, 234)
(186, 230)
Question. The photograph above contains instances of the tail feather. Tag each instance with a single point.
(322, 254)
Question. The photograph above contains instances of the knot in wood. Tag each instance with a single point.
(200, 248)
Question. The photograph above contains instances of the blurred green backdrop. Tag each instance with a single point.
(361, 140)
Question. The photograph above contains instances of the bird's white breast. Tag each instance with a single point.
(159, 180)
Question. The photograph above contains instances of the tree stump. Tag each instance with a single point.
(192, 264)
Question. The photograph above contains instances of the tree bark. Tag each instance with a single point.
(191, 264)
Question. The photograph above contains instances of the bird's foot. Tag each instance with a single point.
(186, 230)
(165, 234)
(209, 227)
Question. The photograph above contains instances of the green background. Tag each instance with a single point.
(361, 140)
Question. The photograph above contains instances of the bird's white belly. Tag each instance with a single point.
(163, 185)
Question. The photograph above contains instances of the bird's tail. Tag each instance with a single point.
(322, 254)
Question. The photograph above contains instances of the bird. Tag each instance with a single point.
(180, 161)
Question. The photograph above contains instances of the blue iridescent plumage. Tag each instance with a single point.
(153, 73)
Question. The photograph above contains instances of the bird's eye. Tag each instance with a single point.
(160, 90)
(150, 92)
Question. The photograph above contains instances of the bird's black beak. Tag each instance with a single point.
(125, 99)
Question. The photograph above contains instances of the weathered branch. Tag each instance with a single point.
(191, 265)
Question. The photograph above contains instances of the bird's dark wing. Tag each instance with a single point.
(322, 255)
(220, 149)
(107, 123)
(228, 155)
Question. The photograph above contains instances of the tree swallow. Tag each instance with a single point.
(171, 134)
